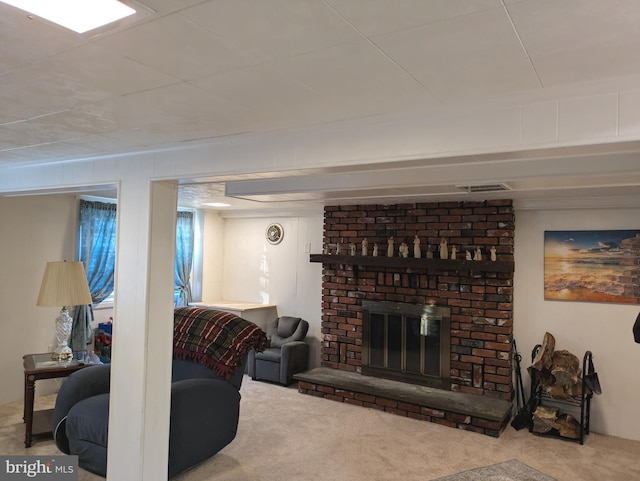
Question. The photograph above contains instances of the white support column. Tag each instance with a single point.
(143, 330)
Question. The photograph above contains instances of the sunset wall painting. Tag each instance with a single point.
(592, 266)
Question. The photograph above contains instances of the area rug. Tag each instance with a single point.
(512, 470)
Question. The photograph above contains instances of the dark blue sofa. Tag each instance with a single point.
(210, 355)
(204, 415)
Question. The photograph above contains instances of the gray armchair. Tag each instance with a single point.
(287, 355)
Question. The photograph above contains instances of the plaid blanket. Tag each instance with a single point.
(217, 339)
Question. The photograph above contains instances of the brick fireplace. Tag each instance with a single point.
(477, 293)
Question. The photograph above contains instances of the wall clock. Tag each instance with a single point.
(274, 234)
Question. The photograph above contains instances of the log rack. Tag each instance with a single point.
(582, 402)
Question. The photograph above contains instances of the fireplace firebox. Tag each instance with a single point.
(407, 342)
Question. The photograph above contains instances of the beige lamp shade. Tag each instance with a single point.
(64, 284)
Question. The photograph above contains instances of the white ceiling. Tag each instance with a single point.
(185, 70)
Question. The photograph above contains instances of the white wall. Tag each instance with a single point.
(212, 257)
(256, 271)
(603, 328)
(35, 230)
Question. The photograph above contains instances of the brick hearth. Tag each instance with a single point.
(481, 301)
(449, 408)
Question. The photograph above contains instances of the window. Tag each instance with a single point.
(97, 250)
(97, 246)
(184, 258)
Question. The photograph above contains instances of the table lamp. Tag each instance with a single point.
(64, 284)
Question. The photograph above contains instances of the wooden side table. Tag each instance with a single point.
(42, 366)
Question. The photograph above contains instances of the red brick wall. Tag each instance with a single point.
(481, 302)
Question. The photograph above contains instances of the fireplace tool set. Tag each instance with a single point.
(523, 417)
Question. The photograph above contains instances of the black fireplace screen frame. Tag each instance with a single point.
(389, 322)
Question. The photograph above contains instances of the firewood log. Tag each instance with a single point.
(544, 419)
(556, 391)
(543, 357)
(565, 368)
(568, 426)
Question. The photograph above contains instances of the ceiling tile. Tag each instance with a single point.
(94, 66)
(168, 105)
(355, 70)
(257, 87)
(375, 17)
(273, 29)
(588, 118)
(14, 157)
(164, 7)
(539, 123)
(52, 150)
(351, 80)
(35, 133)
(176, 47)
(629, 115)
(24, 40)
(477, 54)
(582, 40)
(54, 92)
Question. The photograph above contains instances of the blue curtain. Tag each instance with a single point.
(97, 251)
(184, 257)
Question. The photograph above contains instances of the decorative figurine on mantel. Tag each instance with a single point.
(352, 248)
(390, 247)
(444, 253)
(338, 248)
(429, 252)
(468, 256)
(416, 247)
(375, 249)
(365, 244)
(454, 252)
(493, 253)
(478, 255)
(404, 250)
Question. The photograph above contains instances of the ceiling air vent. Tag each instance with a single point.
(483, 188)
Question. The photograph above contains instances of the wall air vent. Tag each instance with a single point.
(483, 188)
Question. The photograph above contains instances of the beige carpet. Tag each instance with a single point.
(284, 435)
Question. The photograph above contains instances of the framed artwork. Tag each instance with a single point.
(592, 266)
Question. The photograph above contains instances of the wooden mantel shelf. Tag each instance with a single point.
(409, 262)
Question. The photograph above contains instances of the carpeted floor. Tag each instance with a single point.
(287, 436)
